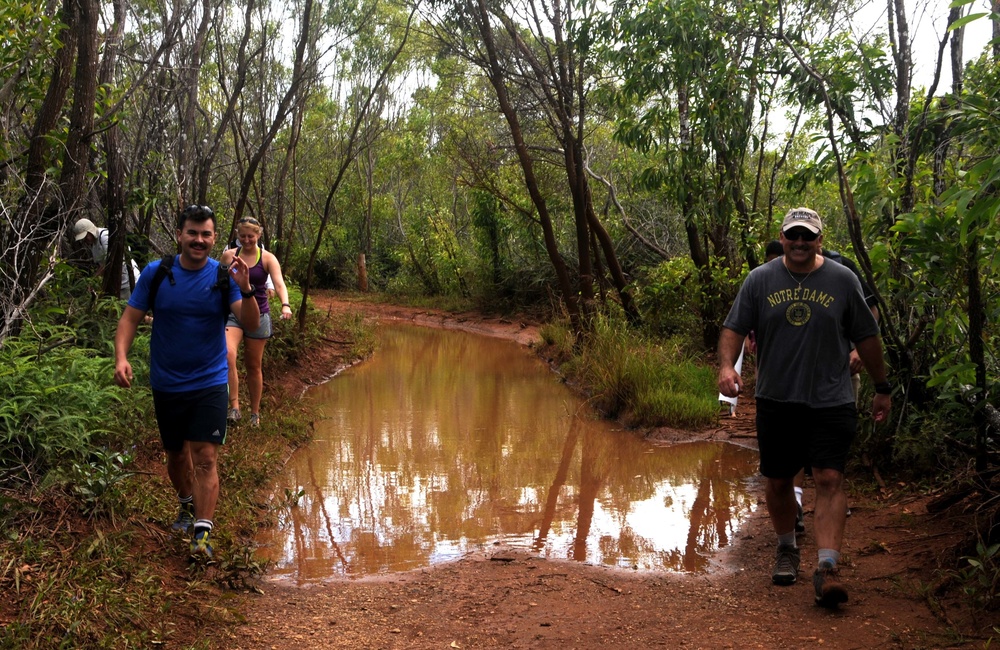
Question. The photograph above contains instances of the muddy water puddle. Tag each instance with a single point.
(446, 443)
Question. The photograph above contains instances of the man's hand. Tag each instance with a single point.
(881, 406)
(730, 343)
(123, 374)
(730, 382)
(241, 273)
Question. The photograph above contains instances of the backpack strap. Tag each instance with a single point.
(164, 270)
(222, 284)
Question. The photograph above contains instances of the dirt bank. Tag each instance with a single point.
(893, 551)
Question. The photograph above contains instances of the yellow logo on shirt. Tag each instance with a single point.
(798, 313)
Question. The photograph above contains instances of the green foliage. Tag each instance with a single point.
(560, 336)
(60, 400)
(673, 296)
(82, 591)
(644, 383)
(980, 580)
(98, 482)
(292, 497)
(287, 344)
(360, 331)
(242, 569)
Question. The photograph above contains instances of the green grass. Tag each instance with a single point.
(642, 382)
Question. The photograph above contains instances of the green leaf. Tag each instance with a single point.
(964, 21)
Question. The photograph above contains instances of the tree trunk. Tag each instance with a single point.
(114, 200)
(495, 74)
(81, 116)
(362, 274)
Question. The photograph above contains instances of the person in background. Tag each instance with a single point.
(806, 314)
(269, 285)
(187, 363)
(262, 264)
(97, 240)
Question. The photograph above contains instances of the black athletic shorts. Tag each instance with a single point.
(793, 436)
(195, 415)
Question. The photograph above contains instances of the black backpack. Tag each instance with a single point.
(166, 270)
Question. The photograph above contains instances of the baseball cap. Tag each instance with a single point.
(82, 227)
(804, 217)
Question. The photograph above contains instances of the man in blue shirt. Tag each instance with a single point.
(188, 370)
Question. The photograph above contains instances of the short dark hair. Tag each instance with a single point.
(774, 247)
(195, 213)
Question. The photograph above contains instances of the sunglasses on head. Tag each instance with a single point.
(198, 209)
(804, 234)
(250, 220)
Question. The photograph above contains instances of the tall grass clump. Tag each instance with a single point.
(644, 383)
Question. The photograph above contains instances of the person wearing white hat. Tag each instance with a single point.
(806, 314)
(97, 240)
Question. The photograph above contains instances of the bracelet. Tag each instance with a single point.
(285, 304)
(883, 388)
(248, 294)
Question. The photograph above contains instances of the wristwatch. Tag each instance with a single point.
(883, 387)
(247, 294)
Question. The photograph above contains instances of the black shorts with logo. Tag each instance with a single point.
(793, 436)
(195, 415)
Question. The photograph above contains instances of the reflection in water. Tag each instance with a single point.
(445, 443)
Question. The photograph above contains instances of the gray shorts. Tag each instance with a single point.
(262, 332)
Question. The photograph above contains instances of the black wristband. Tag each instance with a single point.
(285, 304)
(248, 294)
(883, 388)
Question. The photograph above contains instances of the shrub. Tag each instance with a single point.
(58, 399)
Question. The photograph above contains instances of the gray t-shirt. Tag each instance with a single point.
(804, 336)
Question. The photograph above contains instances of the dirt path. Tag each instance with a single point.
(513, 600)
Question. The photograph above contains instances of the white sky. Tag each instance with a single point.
(927, 19)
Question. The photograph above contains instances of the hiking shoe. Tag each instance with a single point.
(200, 544)
(255, 419)
(233, 414)
(786, 565)
(830, 591)
(800, 520)
(185, 519)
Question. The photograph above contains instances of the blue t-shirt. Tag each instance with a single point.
(187, 350)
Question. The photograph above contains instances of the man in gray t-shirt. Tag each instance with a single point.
(806, 314)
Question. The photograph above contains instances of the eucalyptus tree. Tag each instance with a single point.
(689, 80)
(918, 194)
(353, 103)
(537, 58)
(258, 117)
(34, 66)
(462, 213)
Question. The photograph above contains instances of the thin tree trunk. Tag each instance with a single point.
(495, 74)
(114, 200)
